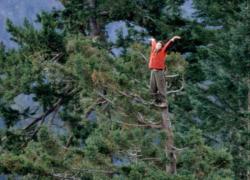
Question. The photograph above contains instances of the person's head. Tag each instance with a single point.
(158, 46)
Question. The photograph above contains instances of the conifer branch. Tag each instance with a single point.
(141, 119)
(52, 109)
(56, 105)
(94, 171)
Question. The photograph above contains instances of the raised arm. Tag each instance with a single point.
(153, 43)
(170, 42)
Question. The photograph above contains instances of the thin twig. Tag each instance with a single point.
(69, 141)
(142, 55)
(134, 125)
(172, 76)
(150, 159)
(104, 97)
(178, 90)
(94, 171)
(178, 149)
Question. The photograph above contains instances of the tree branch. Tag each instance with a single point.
(94, 171)
(58, 103)
(172, 76)
(142, 55)
(52, 109)
(134, 125)
(141, 119)
(178, 90)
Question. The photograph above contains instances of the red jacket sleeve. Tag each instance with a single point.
(168, 45)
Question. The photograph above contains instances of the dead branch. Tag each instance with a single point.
(57, 57)
(58, 103)
(104, 97)
(144, 58)
(64, 176)
(141, 119)
(178, 90)
(133, 125)
(94, 171)
(54, 115)
(112, 103)
(135, 96)
(52, 109)
(172, 76)
(178, 149)
(150, 159)
(99, 101)
(69, 141)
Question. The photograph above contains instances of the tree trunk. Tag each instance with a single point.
(94, 27)
(248, 117)
(170, 152)
(248, 83)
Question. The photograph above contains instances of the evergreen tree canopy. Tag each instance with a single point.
(112, 129)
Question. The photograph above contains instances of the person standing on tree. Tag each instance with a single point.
(157, 66)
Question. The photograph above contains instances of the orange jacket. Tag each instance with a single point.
(157, 59)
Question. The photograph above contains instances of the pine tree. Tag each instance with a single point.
(223, 103)
(72, 74)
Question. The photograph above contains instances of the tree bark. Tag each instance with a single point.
(170, 152)
(248, 107)
(94, 27)
(248, 117)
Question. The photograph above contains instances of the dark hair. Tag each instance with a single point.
(162, 43)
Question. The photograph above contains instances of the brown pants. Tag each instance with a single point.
(158, 85)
